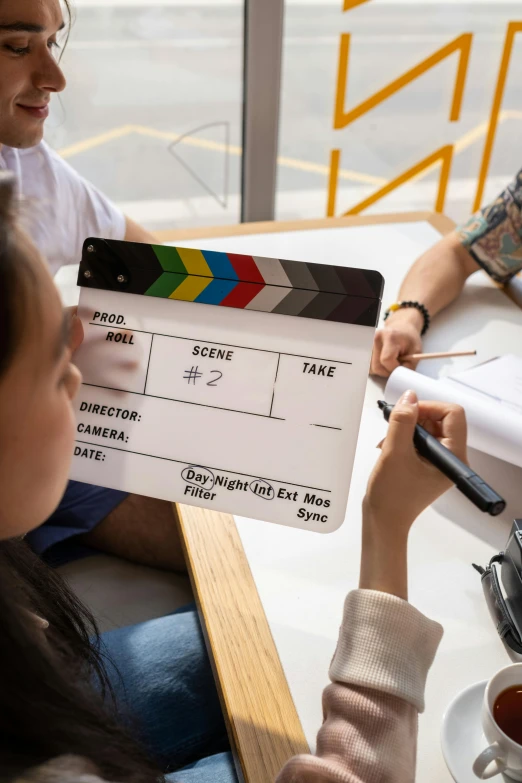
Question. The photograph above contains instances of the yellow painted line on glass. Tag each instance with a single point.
(190, 141)
(92, 142)
(126, 130)
(292, 163)
(469, 138)
(320, 168)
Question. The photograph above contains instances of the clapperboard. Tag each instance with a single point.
(221, 380)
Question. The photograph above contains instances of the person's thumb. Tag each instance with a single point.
(403, 419)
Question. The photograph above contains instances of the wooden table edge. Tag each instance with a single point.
(442, 223)
(262, 721)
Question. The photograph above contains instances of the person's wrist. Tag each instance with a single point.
(406, 316)
(384, 527)
(384, 556)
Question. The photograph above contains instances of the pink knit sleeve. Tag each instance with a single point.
(378, 674)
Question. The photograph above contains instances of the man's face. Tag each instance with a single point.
(29, 72)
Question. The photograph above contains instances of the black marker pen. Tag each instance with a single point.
(465, 479)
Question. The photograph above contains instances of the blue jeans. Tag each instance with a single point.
(165, 690)
(214, 769)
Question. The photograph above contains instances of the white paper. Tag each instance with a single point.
(499, 380)
(492, 427)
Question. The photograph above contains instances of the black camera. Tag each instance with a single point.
(502, 585)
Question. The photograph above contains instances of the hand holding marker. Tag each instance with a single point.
(464, 478)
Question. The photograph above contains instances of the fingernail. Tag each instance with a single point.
(408, 399)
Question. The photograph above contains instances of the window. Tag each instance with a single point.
(152, 110)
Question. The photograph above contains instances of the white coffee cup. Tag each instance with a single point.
(503, 754)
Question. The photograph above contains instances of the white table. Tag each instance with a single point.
(302, 578)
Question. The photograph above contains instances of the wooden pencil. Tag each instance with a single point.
(440, 355)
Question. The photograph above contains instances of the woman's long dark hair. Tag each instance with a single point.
(48, 703)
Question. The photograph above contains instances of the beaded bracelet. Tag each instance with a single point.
(411, 303)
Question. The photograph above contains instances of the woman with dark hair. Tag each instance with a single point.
(68, 209)
(65, 713)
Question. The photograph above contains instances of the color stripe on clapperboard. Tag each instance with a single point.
(268, 285)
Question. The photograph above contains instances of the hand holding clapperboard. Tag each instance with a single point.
(222, 380)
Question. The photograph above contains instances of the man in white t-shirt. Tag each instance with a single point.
(62, 210)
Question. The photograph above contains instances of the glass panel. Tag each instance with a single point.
(152, 110)
(382, 41)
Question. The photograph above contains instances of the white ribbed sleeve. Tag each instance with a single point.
(378, 674)
(387, 644)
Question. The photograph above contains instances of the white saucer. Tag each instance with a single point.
(462, 738)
